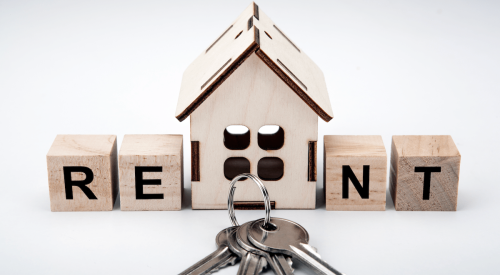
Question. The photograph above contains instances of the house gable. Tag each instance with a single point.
(253, 96)
(253, 32)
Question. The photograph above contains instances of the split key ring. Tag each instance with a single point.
(267, 202)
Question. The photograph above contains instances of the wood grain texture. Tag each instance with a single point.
(206, 69)
(406, 185)
(293, 65)
(355, 151)
(97, 152)
(152, 150)
(236, 44)
(254, 96)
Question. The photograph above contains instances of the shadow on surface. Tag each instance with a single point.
(320, 198)
(465, 201)
(389, 204)
(117, 202)
(186, 198)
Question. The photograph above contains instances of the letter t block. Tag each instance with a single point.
(424, 173)
(83, 173)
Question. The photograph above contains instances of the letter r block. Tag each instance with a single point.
(151, 172)
(359, 154)
(424, 173)
(83, 173)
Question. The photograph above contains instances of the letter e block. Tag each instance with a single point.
(424, 173)
(151, 172)
(355, 173)
(83, 173)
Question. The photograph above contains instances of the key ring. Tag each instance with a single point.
(230, 199)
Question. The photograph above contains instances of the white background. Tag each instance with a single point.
(115, 67)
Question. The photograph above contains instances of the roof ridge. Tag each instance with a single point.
(226, 54)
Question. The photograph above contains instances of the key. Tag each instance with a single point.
(278, 262)
(220, 258)
(250, 263)
(291, 239)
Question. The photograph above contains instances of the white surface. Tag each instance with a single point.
(115, 67)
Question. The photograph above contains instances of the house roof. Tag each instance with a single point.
(253, 32)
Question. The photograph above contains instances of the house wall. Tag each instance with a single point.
(254, 96)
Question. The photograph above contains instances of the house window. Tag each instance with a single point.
(234, 166)
(271, 137)
(236, 137)
(270, 168)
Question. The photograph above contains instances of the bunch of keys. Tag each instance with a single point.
(259, 244)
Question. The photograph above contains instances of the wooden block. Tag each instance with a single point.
(83, 173)
(355, 172)
(151, 172)
(424, 173)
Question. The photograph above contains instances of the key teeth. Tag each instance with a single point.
(262, 264)
(230, 261)
(290, 263)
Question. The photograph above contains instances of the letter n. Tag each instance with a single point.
(348, 174)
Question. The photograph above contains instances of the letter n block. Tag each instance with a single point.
(151, 172)
(355, 173)
(83, 173)
(424, 173)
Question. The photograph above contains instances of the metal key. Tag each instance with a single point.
(250, 263)
(278, 262)
(291, 239)
(220, 258)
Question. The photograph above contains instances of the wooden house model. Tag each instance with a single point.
(253, 75)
